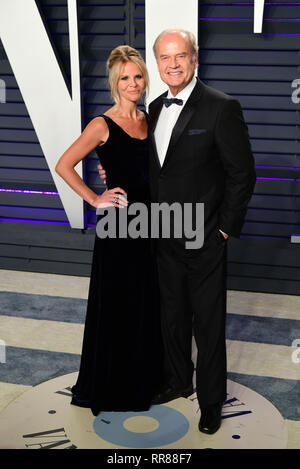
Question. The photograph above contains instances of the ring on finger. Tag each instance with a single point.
(115, 200)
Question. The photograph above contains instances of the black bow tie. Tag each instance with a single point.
(167, 102)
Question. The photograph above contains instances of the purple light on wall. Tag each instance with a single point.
(27, 191)
(281, 34)
(239, 3)
(276, 167)
(248, 19)
(42, 222)
(276, 179)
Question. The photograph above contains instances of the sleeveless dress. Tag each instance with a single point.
(121, 359)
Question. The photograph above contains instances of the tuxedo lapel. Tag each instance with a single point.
(154, 118)
(184, 117)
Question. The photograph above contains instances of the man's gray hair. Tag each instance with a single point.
(190, 36)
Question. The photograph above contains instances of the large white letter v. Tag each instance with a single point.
(259, 6)
(55, 115)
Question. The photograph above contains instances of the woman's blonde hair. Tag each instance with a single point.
(118, 57)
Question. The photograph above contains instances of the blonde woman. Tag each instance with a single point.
(121, 354)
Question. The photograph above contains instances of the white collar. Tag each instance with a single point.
(185, 93)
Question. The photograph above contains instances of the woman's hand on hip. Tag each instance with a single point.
(116, 197)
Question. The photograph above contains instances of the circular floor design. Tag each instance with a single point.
(44, 418)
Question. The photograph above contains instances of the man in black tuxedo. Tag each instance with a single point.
(200, 153)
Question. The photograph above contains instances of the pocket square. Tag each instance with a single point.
(196, 131)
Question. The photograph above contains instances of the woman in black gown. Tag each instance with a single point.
(121, 355)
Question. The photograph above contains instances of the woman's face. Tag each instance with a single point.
(131, 84)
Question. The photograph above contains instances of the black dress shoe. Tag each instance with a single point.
(170, 394)
(210, 420)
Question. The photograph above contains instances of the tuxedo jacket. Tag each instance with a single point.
(209, 159)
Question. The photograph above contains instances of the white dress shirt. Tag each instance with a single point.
(167, 119)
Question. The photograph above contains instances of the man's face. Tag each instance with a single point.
(174, 60)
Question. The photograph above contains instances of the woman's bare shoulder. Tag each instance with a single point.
(97, 129)
(98, 123)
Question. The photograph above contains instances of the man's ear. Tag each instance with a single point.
(196, 62)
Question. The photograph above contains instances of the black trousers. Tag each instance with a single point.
(193, 300)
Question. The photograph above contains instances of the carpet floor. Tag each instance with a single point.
(42, 322)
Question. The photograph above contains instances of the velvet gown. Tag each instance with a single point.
(121, 357)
